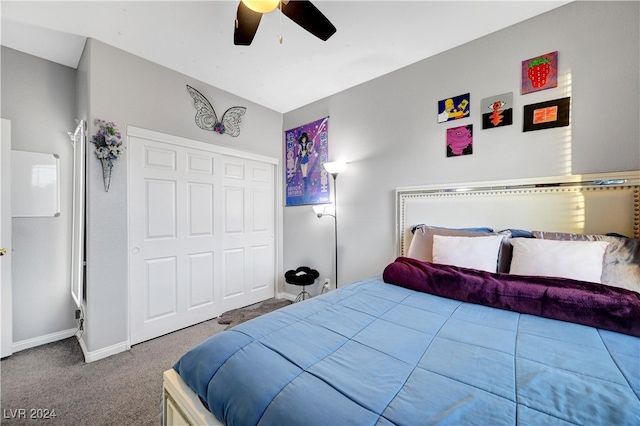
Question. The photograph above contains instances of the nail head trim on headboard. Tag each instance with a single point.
(587, 203)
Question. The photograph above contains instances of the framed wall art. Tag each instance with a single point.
(460, 141)
(497, 111)
(454, 108)
(540, 73)
(546, 115)
(306, 149)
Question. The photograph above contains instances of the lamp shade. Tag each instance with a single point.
(261, 6)
(335, 167)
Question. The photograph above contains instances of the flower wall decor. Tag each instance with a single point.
(108, 144)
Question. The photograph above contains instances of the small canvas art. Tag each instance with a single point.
(546, 115)
(460, 141)
(540, 73)
(497, 111)
(454, 108)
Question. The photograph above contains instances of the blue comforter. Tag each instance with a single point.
(374, 353)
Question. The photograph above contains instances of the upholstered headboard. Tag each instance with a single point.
(591, 204)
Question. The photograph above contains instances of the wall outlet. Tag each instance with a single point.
(326, 286)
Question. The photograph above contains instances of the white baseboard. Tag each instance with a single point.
(104, 352)
(43, 340)
(287, 296)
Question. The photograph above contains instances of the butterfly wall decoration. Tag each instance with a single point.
(207, 119)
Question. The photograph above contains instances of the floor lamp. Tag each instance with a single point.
(333, 168)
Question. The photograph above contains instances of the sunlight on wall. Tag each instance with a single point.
(564, 82)
(577, 214)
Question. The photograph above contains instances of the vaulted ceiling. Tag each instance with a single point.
(195, 38)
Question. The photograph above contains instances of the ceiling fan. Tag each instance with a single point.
(302, 12)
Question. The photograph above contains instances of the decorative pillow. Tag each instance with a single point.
(519, 233)
(472, 229)
(469, 252)
(621, 265)
(578, 260)
(421, 247)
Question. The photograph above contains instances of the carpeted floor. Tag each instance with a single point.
(124, 389)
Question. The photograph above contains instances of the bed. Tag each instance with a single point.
(459, 329)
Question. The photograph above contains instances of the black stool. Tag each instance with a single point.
(303, 276)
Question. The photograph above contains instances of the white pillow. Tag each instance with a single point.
(578, 260)
(469, 252)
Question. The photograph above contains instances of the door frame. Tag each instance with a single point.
(6, 308)
(137, 132)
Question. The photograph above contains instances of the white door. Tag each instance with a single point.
(6, 313)
(201, 233)
(248, 255)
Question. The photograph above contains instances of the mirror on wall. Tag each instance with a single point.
(79, 141)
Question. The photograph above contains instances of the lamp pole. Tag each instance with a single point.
(335, 232)
(334, 168)
(335, 220)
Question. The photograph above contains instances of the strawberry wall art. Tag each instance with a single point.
(540, 73)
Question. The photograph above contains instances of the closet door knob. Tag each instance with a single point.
(3, 251)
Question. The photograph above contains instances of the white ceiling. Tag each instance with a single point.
(195, 38)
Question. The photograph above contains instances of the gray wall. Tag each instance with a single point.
(38, 97)
(387, 131)
(128, 90)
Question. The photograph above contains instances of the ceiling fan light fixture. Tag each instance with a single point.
(302, 12)
(262, 6)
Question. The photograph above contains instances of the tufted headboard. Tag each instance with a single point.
(591, 204)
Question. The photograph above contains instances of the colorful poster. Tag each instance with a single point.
(306, 149)
(540, 73)
(460, 141)
(497, 111)
(453, 108)
(546, 115)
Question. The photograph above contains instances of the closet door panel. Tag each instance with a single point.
(201, 234)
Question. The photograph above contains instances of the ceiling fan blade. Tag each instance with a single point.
(247, 22)
(305, 14)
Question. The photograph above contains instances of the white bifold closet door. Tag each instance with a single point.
(201, 232)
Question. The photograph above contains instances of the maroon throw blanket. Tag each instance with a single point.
(595, 305)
